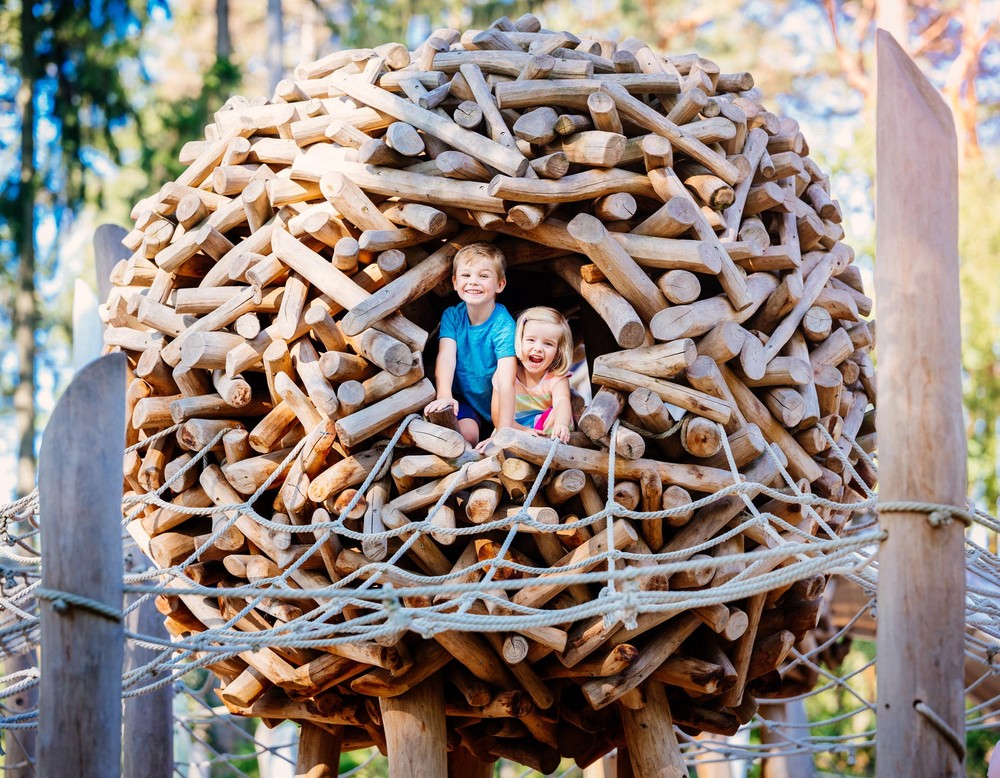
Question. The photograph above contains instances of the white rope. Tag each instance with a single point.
(382, 613)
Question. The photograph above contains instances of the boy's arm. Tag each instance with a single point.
(506, 367)
(444, 377)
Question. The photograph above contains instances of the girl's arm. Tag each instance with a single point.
(562, 410)
(444, 377)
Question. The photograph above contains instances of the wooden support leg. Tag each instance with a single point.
(319, 752)
(649, 733)
(622, 764)
(599, 769)
(415, 731)
(799, 766)
(714, 770)
(462, 763)
(613, 765)
(711, 769)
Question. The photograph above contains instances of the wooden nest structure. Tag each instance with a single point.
(280, 299)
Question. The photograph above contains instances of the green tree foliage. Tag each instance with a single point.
(61, 69)
(979, 247)
(167, 125)
(81, 92)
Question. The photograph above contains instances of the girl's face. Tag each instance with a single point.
(539, 345)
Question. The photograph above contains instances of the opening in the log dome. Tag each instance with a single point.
(528, 286)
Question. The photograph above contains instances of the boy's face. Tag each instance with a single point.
(477, 282)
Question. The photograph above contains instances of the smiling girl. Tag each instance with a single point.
(544, 346)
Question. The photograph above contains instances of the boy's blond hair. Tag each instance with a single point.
(563, 359)
(481, 251)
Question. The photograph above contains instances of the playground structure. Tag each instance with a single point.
(644, 708)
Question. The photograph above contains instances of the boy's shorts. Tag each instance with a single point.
(466, 411)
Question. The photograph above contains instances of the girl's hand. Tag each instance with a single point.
(481, 445)
(561, 433)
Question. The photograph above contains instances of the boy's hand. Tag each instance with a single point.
(481, 445)
(442, 405)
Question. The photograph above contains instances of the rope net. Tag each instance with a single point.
(815, 682)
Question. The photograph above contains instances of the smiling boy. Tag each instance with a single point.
(476, 341)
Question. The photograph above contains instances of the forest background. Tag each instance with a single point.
(98, 96)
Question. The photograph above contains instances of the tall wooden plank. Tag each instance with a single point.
(108, 251)
(79, 484)
(147, 738)
(921, 585)
(88, 329)
(415, 731)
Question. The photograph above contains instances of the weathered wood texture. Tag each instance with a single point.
(79, 494)
(921, 567)
(415, 731)
(148, 719)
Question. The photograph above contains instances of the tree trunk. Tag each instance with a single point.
(25, 309)
(21, 746)
(275, 36)
(223, 43)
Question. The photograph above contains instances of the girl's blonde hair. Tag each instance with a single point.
(563, 359)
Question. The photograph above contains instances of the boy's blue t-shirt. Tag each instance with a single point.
(479, 348)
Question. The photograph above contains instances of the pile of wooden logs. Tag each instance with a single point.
(282, 290)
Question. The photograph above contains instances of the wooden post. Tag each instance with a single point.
(79, 484)
(710, 765)
(87, 341)
(921, 586)
(415, 731)
(607, 767)
(147, 737)
(148, 718)
(319, 752)
(20, 743)
(796, 766)
(108, 250)
(649, 731)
